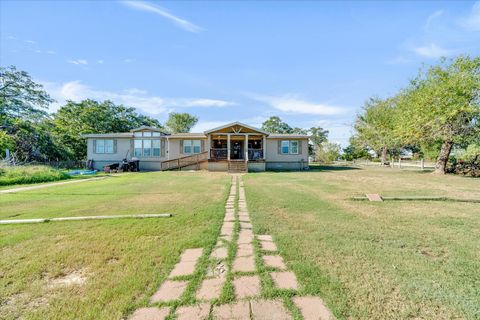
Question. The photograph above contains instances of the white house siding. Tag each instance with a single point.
(279, 161)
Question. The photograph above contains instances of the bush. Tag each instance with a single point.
(30, 174)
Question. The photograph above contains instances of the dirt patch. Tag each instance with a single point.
(74, 278)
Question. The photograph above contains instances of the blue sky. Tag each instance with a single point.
(311, 63)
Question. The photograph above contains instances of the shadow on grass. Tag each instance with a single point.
(332, 168)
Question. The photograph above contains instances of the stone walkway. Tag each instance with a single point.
(238, 271)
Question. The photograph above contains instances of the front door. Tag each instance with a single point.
(236, 150)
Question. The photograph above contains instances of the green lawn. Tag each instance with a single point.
(121, 261)
(390, 260)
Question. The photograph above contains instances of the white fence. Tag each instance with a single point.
(401, 164)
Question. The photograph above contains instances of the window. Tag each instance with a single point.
(156, 134)
(285, 147)
(196, 146)
(156, 148)
(294, 147)
(147, 134)
(192, 146)
(137, 148)
(137, 134)
(146, 148)
(289, 147)
(104, 146)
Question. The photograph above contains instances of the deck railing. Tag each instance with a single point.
(255, 154)
(185, 161)
(219, 153)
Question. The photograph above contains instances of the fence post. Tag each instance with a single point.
(422, 164)
(400, 162)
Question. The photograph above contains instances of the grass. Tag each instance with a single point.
(390, 260)
(122, 262)
(30, 174)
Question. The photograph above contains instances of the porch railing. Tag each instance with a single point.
(185, 161)
(255, 154)
(219, 153)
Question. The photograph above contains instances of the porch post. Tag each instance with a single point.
(228, 147)
(264, 146)
(208, 145)
(246, 147)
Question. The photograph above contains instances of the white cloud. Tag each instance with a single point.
(30, 41)
(100, 61)
(472, 22)
(11, 38)
(292, 104)
(431, 18)
(128, 60)
(76, 91)
(145, 6)
(399, 60)
(78, 62)
(202, 126)
(37, 51)
(51, 52)
(432, 51)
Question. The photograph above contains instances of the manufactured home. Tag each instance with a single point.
(234, 147)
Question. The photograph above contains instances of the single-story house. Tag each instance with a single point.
(232, 147)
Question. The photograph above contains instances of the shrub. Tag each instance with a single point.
(30, 174)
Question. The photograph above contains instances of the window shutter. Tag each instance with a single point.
(162, 147)
(300, 146)
(94, 145)
(202, 146)
(181, 146)
(279, 146)
(115, 146)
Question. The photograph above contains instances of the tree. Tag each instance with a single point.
(328, 152)
(20, 97)
(180, 122)
(89, 116)
(442, 104)
(375, 126)
(276, 125)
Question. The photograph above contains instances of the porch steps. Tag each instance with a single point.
(237, 166)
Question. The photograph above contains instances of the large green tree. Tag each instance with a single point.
(90, 116)
(375, 126)
(442, 105)
(276, 125)
(180, 122)
(20, 96)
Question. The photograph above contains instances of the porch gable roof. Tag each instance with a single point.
(236, 123)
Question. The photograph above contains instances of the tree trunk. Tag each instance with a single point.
(384, 156)
(442, 159)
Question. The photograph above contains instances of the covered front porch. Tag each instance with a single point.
(237, 147)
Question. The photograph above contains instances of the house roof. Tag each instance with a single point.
(108, 135)
(288, 135)
(146, 128)
(236, 123)
(187, 135)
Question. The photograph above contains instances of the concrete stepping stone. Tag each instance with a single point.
(227, 237)
(233, 311)
(229, 217)
(313, 308)
(216, 271)
(268, 246)
(152, 313)
(244, 218)
(245, 225)
(211, 289)
(274, 262)
(169, 290)
(219, 253)
(244, 264)
(244, 239)
(265, 237)
(245, 250)
(191, 254)
(246, 286)
(183, 268)
(267, 310)
(285, 280)
(196, 312)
